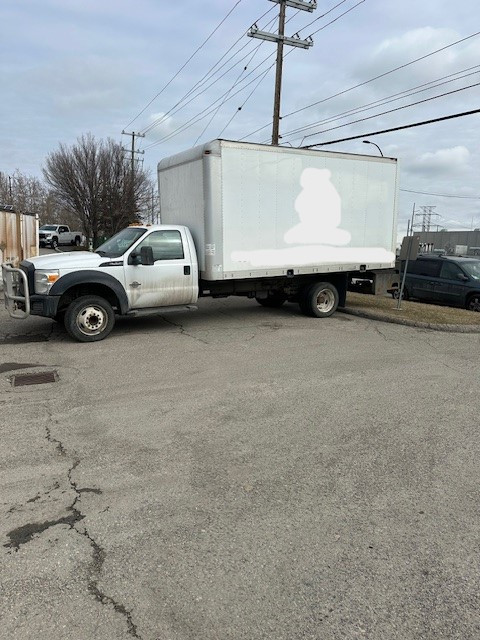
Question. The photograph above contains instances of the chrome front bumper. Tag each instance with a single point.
(15, 290)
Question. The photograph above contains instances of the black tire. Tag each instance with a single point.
(396, 294)
(54, 243)
(473, 302)
(77, 241)
(320, 300)
(272, 300)
(60, 317)
(89, 319)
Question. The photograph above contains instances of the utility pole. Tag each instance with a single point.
(133, 151)
(281, 39)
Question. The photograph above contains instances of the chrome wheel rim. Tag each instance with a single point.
(91, 320)
(325, 300)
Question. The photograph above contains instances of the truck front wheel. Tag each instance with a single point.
(54, 243)
(320, 300)
(89, 319)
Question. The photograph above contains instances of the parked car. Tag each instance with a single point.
(445, 280)
(57, 234)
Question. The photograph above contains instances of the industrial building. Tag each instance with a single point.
(452, 242)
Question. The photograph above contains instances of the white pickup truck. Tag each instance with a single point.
(269, 223)
(54, 235)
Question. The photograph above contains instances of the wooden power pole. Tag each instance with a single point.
(280, 39)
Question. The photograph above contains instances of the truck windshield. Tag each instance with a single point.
(120, 242)
(472, 267)
(48, 227)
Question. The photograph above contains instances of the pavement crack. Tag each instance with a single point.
(183, 331)
(380, 333)
(24, 534)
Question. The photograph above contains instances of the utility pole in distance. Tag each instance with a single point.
(280, 39)
(133, 151)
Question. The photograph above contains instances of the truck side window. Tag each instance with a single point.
(62, 229)
(166, 245)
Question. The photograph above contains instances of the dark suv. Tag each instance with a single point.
(445, 280)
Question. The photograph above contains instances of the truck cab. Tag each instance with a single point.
(147, 268)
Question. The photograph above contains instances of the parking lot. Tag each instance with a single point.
(240, 473)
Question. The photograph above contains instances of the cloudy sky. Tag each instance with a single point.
(74, 66)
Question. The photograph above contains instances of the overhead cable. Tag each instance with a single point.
(208, 110)
(361, 84)
(412, 104)
(428, 86)
(406, 126)
(185, 63)
(441, 195)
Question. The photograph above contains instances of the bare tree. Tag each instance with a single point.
(25, 193)
(93, 180)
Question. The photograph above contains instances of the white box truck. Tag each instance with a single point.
(271, 223)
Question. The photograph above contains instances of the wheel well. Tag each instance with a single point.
(86, 289)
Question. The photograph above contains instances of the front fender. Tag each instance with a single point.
(69, 280)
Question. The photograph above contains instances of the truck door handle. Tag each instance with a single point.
(186, 270)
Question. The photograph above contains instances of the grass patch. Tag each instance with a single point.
(386, 307)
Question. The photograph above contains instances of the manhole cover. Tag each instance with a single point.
(43, 377)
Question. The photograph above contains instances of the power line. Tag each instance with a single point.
(361, 84)
(322, 16)
(199, 116)
(210, 74)
(181, 106)
(226, 95)
(335, 19)
(405, 106)
(186, 63)
(441, 195)
(427, 86)
(244, 102)
(406, 126)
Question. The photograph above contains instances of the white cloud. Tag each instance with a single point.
(442, 162)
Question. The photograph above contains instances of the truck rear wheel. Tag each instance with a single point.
(272, 300)
(89, 319)
(76, 242)
(320, 300)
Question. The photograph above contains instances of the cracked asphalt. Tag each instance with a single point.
(240, 473)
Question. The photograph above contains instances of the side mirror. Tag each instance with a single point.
(146, 256)
(462, 276)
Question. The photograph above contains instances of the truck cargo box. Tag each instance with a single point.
(262, 211)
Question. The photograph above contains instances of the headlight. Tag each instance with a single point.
(45, 279)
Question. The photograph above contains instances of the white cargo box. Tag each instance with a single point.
(258, 210)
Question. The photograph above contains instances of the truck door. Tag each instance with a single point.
(169, 281)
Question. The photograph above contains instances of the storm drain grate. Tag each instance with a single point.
(43, 377)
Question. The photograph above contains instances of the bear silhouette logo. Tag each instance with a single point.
(320, 211)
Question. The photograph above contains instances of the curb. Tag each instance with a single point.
(452, 328)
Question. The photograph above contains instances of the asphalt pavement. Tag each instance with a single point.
(240, 473)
